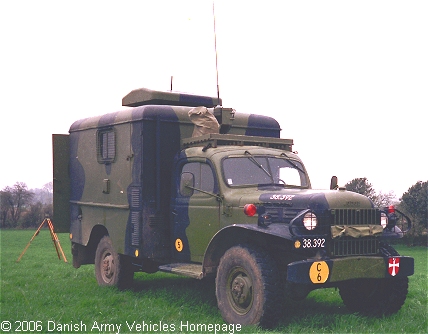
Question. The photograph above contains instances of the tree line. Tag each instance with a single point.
(413, 203)
(21, 207)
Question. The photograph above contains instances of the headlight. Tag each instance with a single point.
(383, 219)
(310, 221)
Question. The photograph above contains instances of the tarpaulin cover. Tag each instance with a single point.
(205, 122)
(356, 231)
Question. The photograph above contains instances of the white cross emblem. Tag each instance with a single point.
(393, 266)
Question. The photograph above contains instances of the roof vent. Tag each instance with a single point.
(144, 96)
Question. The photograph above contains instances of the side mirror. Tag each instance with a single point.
(333, 183)
(187, 184)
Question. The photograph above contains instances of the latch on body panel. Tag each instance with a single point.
(106, 186)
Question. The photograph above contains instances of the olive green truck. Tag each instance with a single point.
(178, 183)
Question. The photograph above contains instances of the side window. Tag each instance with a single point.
(106, 146)
(203, 177)
(207, 178)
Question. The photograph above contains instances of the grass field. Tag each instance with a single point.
(43, 294)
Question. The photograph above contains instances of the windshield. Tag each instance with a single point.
(256, 170)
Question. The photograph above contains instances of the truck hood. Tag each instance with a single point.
(317, 200)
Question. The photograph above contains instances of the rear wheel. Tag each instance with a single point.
(248, 287)
(112, 269)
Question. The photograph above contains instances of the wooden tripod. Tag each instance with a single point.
(54, 239)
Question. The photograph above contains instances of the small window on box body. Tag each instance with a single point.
(106, 146)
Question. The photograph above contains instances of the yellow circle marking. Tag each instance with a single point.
(319, 272)
(297, 244)
(178, 245)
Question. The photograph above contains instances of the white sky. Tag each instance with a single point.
(347, 80)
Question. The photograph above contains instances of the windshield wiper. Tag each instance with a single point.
(292, 163)
(258, 164)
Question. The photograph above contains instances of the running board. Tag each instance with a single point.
(184, 269)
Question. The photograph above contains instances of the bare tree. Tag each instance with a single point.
(361, 186)
(48, 187)
(4, 206)
(19, 198)
(381, 199)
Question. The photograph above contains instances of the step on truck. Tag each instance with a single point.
(177, 183)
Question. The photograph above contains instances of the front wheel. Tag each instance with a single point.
(247, 287)
(112, 269)
(375, 297)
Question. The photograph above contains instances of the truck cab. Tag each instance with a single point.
(179, 184)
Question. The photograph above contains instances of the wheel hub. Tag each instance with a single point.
(108, 267)
(241, 292)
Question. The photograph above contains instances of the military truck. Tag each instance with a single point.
(177, 183)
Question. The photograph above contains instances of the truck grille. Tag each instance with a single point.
(355, 216)
(348, 246)
(280, 214)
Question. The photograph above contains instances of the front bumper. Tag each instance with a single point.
(331, 271)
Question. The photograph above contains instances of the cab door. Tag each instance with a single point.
(196, 210)
(61, 183)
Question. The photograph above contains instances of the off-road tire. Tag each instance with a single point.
(376, 297)
(248, 287)
(112, 269)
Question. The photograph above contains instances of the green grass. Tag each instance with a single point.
(42, 288)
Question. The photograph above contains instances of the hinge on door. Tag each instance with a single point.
(227, 209)
(130, 156)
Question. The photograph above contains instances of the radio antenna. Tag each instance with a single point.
(216, 56)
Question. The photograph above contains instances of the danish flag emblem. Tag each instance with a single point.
(393, 266)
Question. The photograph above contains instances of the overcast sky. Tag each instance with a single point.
(347, 80)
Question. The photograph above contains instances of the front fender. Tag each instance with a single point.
(274, 236)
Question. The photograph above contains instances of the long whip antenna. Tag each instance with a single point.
(216, 56)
